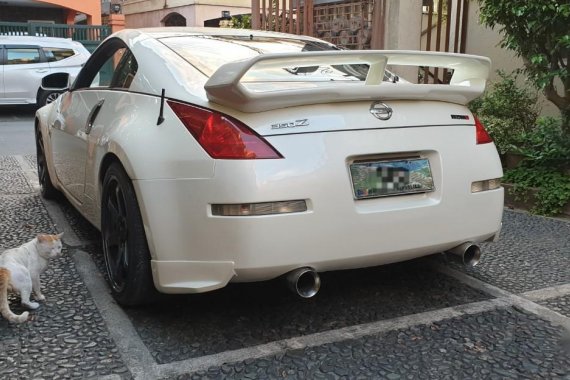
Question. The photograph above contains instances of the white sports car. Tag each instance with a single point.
(209, 156)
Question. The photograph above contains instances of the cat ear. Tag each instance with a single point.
(59, 236)
(41, 238)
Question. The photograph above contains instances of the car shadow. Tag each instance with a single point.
(20, 111)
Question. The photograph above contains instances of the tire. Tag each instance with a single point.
(127, 257)
(47, 189)
(46, 97)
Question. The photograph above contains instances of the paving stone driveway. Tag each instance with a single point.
(427, 318)
(67, 337)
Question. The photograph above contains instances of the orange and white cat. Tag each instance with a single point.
(20, 270)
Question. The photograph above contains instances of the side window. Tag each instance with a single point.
(109, 66)
(107, 70)
(57, 54)
(22, 56)
(125, 71)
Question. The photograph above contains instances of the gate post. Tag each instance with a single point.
(403, 31)
(116, 22)
(378, 25)
(255, 13)
(308, 18)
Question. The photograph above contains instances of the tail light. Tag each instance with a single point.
(482, 135)
(222, 136)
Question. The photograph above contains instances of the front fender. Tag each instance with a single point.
(44, 118)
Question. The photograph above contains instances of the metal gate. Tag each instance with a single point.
(352, 24)
(444, 28)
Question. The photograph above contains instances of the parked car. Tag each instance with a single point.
(209, 156)
(33, 70)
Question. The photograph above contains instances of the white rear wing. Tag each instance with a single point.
(241, 85)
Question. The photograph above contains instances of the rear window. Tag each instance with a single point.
(57, 54)
(208, 53)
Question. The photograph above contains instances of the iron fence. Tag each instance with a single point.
(89, 35)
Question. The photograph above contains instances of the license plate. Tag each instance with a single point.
(373, 179)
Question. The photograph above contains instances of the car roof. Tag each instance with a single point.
(165, 32)
(35, 40)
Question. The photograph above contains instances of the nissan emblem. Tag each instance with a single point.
(381, 111)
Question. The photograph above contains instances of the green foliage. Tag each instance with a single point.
(553, 185)
(510, 115)
(545, 145)
(546, 166)
(241, 22)
(507, 112)
(539, 32)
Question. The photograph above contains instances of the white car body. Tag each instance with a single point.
(20, 83)
(320, 129)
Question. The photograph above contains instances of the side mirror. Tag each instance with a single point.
(56, 82)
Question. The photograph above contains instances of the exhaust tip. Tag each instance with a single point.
(305, 282)
(472, 255)
(467, 254)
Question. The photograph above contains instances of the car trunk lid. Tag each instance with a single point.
(354, 116)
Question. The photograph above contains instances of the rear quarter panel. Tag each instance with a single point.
(126, 129)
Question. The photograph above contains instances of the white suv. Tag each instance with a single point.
(34, 70)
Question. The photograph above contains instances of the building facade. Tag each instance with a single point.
(155, 13)
(52, 11)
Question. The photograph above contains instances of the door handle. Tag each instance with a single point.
(93, 115)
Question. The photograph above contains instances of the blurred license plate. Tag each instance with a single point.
(384, 178)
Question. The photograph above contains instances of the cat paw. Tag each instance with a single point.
(41, 297)
(31, 305)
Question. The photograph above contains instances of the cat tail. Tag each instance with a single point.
(4, 306)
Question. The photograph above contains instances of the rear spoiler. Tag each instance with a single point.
(225, 86)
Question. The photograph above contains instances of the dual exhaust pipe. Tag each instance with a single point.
(305, 282)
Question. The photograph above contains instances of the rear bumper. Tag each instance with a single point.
(207, 254)
(191, 276)
(195, 251)
(322, 253)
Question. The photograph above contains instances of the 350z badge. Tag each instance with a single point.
(291, 124)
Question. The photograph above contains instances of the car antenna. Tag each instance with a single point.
(160, 115)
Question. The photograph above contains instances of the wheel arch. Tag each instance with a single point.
(39, 94)
(108, 159)
(118, 150)
(58, 81)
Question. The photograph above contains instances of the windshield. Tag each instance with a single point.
(208, 53)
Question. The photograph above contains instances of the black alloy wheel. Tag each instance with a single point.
(125, 249)
(47, 189)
